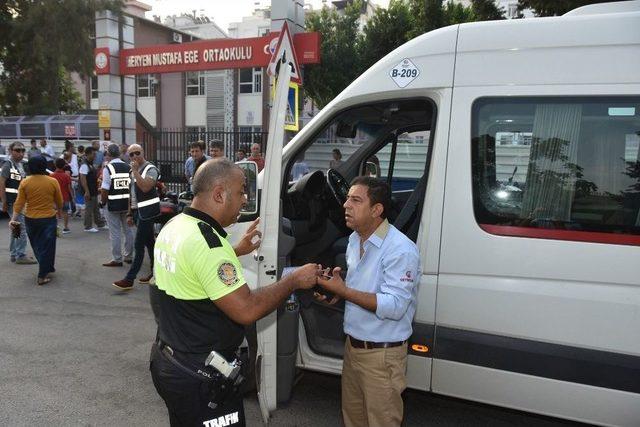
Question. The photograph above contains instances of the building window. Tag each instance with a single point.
(558, 168)
(93, 83)
(512, 11)
(251, 80)
(145, 84)
(195, 83)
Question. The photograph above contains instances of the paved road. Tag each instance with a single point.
(75, 352)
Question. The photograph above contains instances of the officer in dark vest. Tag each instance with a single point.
(114, 192)
(10, 178)
(204, 299)
(144, 206)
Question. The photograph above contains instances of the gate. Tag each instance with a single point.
(168, 149)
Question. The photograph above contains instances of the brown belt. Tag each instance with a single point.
(355, 343)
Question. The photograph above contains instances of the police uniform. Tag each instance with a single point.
(194, 265)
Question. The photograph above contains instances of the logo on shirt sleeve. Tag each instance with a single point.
(407, 277)
(227, 273)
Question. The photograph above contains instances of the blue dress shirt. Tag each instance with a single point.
(389, 268)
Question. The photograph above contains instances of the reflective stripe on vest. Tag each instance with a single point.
(148, 202)
(118, 197)
(12, 183)
(146, 169)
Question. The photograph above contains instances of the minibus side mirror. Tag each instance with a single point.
(371, 169)
(250, 170)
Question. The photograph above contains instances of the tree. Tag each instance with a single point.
(346, 54)
(386, 30)
(554, 7)
(427, 15)
(486, 10)
(340, 62)
(46, 41)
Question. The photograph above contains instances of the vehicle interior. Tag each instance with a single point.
(566, 164)
(389, 140)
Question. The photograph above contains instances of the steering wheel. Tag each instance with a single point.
(338, 185)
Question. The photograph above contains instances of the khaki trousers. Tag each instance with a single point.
(372, 384)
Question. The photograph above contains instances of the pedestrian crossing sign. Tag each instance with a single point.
(292, 114)
(291, 118)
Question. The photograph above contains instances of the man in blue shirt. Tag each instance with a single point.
(197, 157)
(380, 296)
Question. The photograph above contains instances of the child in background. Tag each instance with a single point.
(67, 192)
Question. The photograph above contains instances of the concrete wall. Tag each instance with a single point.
(171, 94)
(195, 110)
(250, 109)
(147, 107)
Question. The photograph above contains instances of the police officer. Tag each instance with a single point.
(10, 177)
(203, 297)
(114, 192)
(144, 207)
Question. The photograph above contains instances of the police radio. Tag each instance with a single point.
(229, 378)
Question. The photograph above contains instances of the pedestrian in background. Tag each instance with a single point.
(123, 152)
(34, 151)
(10, 178)
(256, 156)
(241, 155)
(64, 181)
(114, 193)
(42, 196)
(144, 207)
(47, 152)
(197, 157)
(99, 155)
(337, 159)
(89, 188)
(216, 149)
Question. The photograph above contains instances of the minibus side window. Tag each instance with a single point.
(558, 168)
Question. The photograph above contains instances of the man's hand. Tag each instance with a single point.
(87, 196)
(4, 208)
(333, 284)
(246, 244)
(306, 277)
(130, 221)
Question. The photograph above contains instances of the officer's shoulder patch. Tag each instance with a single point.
(209, 235)
(227, 273)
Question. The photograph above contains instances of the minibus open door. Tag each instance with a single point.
(267, 253)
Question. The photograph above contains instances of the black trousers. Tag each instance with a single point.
(144, 239)
(42, 236)
(187, 397)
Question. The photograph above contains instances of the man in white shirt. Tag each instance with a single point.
(47, 150)
(380, 293)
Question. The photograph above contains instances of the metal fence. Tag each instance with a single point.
(169, 148)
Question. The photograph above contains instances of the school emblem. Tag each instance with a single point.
(227, 274)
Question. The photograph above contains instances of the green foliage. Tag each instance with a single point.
(386, 30)
(486, 10)
(44, 41)
(427, 15)
(554, 7)
(456, 13)
(340, 63)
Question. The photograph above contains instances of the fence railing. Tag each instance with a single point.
(168, 149)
